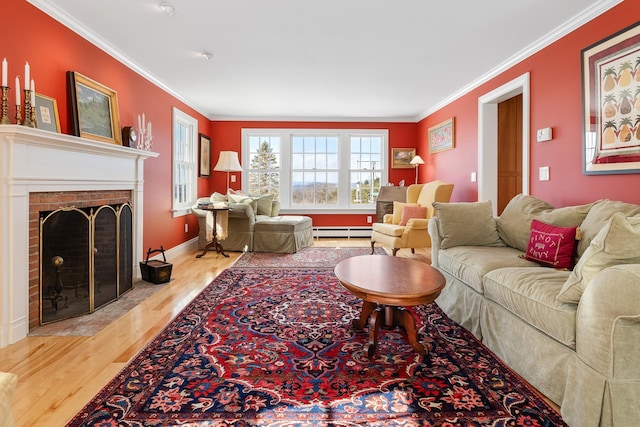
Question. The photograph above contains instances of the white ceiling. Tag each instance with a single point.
(344, 60)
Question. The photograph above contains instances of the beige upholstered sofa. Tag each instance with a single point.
(572, 334)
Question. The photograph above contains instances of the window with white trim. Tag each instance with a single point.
(318, 170)
(184, 181)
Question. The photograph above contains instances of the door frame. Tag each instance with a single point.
(488, 137)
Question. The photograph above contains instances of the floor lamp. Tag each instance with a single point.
(416, 161)
(228, 162)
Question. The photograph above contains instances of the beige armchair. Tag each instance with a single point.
(411, 231)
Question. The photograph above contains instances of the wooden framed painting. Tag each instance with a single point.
(611, 105)
(401, 158)
(94, 109)
(205, 156)
(46, 113)
(442, 136)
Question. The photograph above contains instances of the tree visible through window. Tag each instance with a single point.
(264, 175)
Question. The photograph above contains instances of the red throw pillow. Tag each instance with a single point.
(550, 245)
(409, 212)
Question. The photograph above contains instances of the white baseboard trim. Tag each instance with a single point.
(343, 232)
(187, 247)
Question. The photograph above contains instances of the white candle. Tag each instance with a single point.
(4, 72)
(27, 75)
(17, 90)
(33, 93)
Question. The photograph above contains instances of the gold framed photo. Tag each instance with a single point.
(47, 117)
(401, 158)
(94, 109)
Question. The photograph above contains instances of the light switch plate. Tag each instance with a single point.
(543, 173)
(544, 134)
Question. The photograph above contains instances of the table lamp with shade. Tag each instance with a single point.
(228, 162)
(416, 161)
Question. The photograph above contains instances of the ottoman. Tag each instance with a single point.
(282, 234)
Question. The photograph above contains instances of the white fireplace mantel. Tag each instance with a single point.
(34, 160)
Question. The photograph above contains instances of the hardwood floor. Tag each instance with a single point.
(58, 375)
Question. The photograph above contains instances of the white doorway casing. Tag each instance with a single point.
(488, 137)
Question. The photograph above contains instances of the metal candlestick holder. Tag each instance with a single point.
(34, 120)
(4, 119)
(28, 113)
(18, 115)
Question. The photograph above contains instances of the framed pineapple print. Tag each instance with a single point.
(611, 104)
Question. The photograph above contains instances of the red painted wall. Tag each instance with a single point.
(555, 102)
(227, 135)
(556, 99)
(51, 51)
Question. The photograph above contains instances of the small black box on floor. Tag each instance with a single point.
(156, 271)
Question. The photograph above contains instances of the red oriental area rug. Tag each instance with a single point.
(275, 347)
(310, 257)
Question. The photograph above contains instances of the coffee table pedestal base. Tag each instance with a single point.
(389, 317)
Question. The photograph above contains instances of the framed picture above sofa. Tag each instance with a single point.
(610, 103)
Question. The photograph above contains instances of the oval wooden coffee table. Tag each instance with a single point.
(386, 285)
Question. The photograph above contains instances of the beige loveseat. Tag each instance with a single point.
(572, 334)
(254, 224)
(242, 219)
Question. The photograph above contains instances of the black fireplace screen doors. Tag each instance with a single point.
(86, 259)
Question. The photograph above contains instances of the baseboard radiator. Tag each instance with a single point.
(342, 232)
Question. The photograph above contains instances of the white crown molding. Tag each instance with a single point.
(598, 8)
(407, 119)
(587, 15)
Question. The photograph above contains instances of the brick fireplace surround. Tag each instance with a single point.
(41, 168)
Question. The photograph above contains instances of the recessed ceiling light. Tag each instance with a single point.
(207, 55)
(167, 8)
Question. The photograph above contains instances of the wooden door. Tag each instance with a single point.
(509, 150)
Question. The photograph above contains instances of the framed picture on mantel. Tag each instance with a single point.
(47, 113)
(94, 109)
